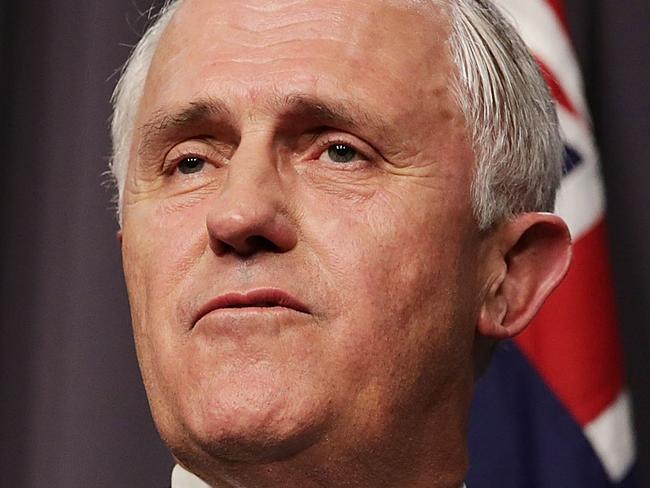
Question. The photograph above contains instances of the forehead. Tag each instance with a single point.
(395, 50)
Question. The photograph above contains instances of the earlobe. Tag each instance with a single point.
(530, 256)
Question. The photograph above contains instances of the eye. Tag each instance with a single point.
(342, 153)
(191, 164)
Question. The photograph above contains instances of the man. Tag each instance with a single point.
(330, 210)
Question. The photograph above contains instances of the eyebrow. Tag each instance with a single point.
(337, 113)
(196, 112)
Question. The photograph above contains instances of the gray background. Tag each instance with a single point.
(73, 411)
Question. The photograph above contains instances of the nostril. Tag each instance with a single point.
(260, 243)
(247, 247)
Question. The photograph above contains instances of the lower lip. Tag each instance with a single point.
(243, 321)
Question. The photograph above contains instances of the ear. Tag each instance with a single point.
(118, 236)
(527, 258)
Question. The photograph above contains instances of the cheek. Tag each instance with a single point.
(160, 250)
(395, 271)
(159, 255)
(401, 328)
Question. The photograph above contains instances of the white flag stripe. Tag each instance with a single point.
(612, 437)
(581, 198)
(582, 184)
(539, 27)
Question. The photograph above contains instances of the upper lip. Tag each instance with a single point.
(261, 297)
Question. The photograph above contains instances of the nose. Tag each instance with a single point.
(250, 214)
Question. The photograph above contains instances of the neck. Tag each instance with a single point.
(418, 449)
(271, 475)
(434, 456)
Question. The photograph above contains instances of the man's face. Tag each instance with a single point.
(298, 240)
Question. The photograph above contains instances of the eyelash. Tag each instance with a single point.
(329, 141)
(171, 166)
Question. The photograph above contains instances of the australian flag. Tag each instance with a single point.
(553, 411)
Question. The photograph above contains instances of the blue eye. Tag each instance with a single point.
(341, 153)
(191, 164)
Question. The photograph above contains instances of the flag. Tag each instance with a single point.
(553, 411)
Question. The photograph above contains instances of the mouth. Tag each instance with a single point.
(260, 299)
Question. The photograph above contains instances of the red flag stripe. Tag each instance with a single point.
(560, 11)
(556, 89)
(574, 341)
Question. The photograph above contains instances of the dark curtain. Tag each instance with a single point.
(612, 39)
(73, 412)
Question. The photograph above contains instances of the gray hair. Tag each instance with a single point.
(509, 113)
(128, 94)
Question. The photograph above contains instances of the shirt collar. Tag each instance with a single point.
(181, 478)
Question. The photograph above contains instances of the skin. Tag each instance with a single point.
(371, 386)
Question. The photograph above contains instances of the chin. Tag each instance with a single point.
(256, 448)
(252, 427)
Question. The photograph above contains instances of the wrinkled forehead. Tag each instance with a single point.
(408, 23)
(390, 53)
